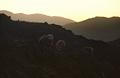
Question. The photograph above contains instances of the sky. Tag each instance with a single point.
(76, 10)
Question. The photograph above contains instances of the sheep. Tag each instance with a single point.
(88, 50)
(86, 54)
(46, 40)
(60, 45)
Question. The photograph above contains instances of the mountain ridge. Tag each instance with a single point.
(99, 28)
(38, 18)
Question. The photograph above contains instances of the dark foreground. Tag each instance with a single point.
(21, 56)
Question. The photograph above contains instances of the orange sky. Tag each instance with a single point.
(76, 10)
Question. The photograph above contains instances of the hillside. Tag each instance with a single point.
(98, 28)
(21, 56)
(115, 42)
(38, 18)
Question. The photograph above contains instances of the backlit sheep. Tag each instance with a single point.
(87, 50)
(60, 45)
(46, 40)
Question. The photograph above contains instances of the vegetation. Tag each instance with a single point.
(22, 57)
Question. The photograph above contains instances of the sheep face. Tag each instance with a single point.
(50, 36)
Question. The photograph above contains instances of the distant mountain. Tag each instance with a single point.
(99, 28)
(38, 18)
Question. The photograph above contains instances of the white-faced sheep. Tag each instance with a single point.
(60, 45)
(46, 40)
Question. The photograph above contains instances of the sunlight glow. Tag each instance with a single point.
(77, 10)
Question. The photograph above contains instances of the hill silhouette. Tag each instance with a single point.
(22, 56)
(38, 18)
(115, 42)
(99, 28)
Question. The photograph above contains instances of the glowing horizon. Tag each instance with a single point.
(76, 10)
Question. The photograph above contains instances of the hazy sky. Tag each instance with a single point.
(77, 10)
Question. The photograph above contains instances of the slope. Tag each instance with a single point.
(99, 28)
(22, 57)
